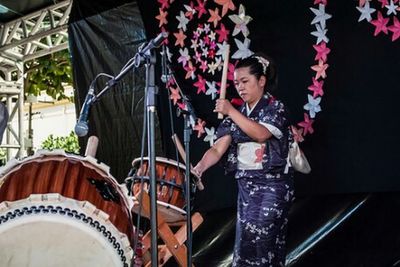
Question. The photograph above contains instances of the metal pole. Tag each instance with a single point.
(186, 141)
(151, 109)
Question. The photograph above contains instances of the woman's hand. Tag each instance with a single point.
(198, 170)
(223, 106)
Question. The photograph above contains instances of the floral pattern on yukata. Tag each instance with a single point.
(263, 207)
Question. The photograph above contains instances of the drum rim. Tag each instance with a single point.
(163, 160)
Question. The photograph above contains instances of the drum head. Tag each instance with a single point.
(50, 230)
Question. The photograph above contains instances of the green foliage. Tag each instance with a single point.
(48, 74)
(68, 143)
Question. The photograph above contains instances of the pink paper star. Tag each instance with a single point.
(200, 84)
(200, 8)
(226, 4)
(180, 38)
(322, 51)
(162, 17)
(316, 87)
(320, 69)
(175, 96)
(164, 3)
(361, 2)
(306, 125)
(223, 33)
(324, 2)
(203, 66)
(190, 69)
(214, 17)
(380, 24)
(199, 127)
(395, 28)
(297, 134)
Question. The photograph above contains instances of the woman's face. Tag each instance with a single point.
(249, 88)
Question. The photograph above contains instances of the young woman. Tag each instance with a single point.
(257, 140)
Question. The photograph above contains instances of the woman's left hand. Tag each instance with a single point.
(223, 106)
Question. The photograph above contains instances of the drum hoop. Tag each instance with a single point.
(159, 181)
(56, 209)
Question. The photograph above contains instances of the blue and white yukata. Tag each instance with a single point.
(265, 183)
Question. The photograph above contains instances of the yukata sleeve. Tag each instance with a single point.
(274, 119)
(224, 128)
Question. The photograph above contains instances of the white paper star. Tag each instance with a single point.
(241, 21)
(391, 8)
(212, 36)
(210, 135)
(313, 105)
(184, 58)
(206, 28)
(183, 20)
(243, 49)
(194, 44)
(221, 49)
(212, 89)
(366, 12)
(204, 51)
(218, 62)
(190, 9)
(320, 15)
(320, 34)
(212, 67)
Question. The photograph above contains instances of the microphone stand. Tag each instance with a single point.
(146, 55)
(152, 90)
(189, 119)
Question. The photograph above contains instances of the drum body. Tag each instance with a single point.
(170, 177)
(63, 210)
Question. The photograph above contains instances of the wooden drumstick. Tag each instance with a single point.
(223, 79)
(182, 153)
(91, 146)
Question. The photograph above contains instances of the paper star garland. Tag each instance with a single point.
(306, 125)
(316, 87)
(381, 21)
(320, 16)
(200, 39)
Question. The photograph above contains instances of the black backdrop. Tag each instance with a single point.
(354, 147)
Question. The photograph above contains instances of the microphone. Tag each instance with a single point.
(81, 127)
(154, 43)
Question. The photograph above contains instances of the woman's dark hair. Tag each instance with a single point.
(257, 63)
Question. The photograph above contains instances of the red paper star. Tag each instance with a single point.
(259, 154)
(322, 51)
(203, 65)
(180, 38)
(395, 28)
(226, 4)
(189, 13)
(199, 127)
(380, 24)
(181, 105)
(231, 70)
(164, 3)
(175, 96)
(162, 17)
(324, 2)
(214, 17)
(211, 53)
(306, 125)
(200, 84)
(316, 87)
(200, 8)
(223, 33)
(320, 69)
(384, 3)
